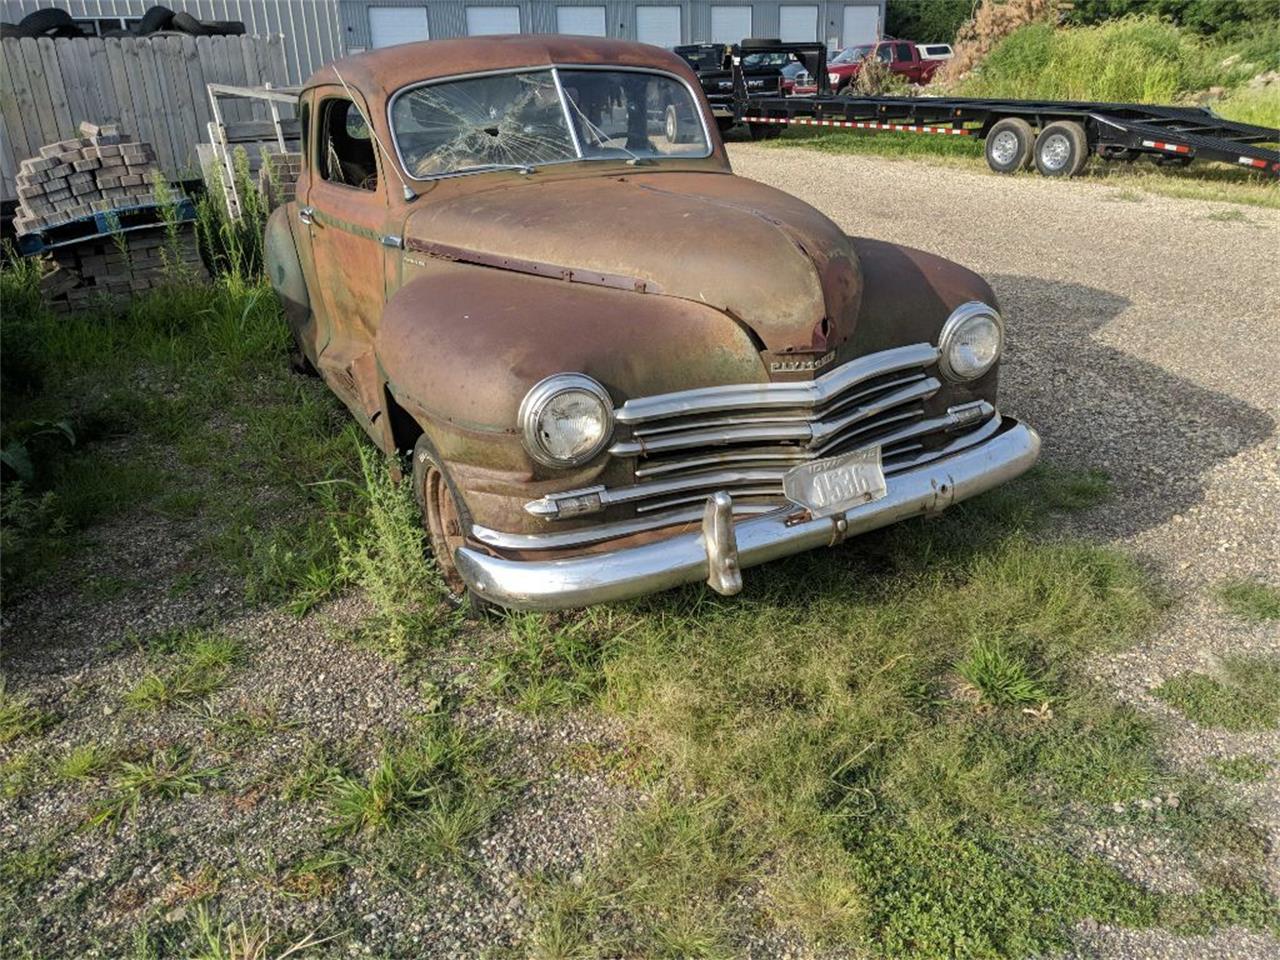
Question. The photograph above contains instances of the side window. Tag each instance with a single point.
(884, 52)
(346, 151)
(903, 52)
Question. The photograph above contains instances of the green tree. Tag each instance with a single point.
(926, 21)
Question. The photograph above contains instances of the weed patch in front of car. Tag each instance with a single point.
(1251, 600)
(198, 664)
(876, 747)
(1242, 694)
(1241, 769)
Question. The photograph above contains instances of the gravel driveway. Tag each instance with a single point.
(1144, 335)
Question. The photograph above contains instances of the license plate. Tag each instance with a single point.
(836, 484)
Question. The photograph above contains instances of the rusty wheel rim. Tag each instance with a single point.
(444, 526)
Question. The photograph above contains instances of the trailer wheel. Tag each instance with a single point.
(764, 131)
(1061, 149)
(1010, 143)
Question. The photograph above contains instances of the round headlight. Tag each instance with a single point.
(971, 341)
(566, 420)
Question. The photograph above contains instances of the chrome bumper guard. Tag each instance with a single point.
(723, 549)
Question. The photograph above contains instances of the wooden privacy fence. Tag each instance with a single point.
(154, 87)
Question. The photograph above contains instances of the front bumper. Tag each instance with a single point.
(722, 549)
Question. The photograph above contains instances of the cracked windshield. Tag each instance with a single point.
(519, 120)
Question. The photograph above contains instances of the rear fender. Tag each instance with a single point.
(284, 270)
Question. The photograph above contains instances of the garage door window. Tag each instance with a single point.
(798, 24)
(861, 25)
(659, 26)
(730, 24)
(581, 21)
(486, 21)
(391, 25)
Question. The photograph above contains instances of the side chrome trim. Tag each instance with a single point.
(772, 396)
(688, 557)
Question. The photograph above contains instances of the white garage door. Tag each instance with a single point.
(391, 25)
(730, 24)
(659, 26)
(861, 25)
(484, 21)
(797, 24)
(580, 21)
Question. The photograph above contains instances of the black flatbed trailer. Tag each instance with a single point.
(1068, 131)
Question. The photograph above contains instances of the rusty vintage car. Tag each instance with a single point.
(618, 366)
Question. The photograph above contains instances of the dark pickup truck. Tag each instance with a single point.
(761, 72)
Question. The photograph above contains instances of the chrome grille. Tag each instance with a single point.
(743, 438)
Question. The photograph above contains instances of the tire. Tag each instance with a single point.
(225, 28)
(186, 23)
(724, 124)
(118, 32)
(445, 517)
(156, 18)
(671, 124)
(15, 31)
(1061, 149)
(40, 22)
(765, 131)
(1009, 145)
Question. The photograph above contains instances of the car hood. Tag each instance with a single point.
(768, 261)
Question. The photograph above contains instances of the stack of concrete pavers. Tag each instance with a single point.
(278, 177)
(113, 268)
(100, 171)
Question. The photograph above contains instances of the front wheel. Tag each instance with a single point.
(1061, 149)
(445, 519)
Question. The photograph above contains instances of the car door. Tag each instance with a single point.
(346, 214)
(906, 62)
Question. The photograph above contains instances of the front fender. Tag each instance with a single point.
(460, 345)
(907, 296)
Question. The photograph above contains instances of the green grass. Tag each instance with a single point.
(197, 664)
(1251, 600)
(434, 780)
(1241, 769)
(386, 557)
(542, 664)
(179, 370)
(166, 775)
(84, 762)
(871, 748)
(18, 717)
(1242, 694)
(1132, 60)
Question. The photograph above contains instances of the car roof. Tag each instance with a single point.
(382, 72)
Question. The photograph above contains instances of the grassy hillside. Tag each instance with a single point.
(1136, 59)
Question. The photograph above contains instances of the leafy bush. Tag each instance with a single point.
(1137, 59)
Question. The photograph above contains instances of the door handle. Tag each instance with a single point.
(305, 215)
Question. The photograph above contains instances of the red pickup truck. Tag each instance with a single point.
(902, 56)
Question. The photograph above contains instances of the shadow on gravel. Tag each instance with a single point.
(1156, 434)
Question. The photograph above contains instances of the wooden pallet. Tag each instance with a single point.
(147, 216)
